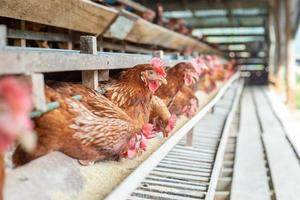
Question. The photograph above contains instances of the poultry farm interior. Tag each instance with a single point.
(135, 103)
(138, 99)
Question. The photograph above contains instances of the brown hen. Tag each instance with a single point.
(178, 76)
(132, 91)
(89, 131)
(185, 102)
(161, 117)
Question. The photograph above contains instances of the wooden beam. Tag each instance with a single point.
(79, 15)
(33, 35)
(145, 32)
(30, 60)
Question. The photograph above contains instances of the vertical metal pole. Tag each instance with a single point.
(189, 137)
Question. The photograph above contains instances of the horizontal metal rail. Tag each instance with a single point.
(50, 106)
(131, 182)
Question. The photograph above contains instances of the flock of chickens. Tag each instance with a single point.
(115, 121)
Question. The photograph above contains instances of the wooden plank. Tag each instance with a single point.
(38, 91)
(250, 173)
(120, 28)
(33, 35)
(283, 162)
(147, 33)
(29, 60)
(79, 15)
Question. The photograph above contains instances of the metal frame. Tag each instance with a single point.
(222, 146)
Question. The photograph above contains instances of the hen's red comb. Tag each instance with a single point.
(158, 66)
(202, 64)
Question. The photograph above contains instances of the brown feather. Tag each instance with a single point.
(81, 129)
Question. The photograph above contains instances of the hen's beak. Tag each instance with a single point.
(163, 80)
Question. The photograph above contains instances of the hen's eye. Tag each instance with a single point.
(151, 72)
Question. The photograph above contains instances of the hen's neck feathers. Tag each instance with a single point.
(130, 90)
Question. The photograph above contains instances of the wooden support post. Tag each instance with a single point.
(88, 45)
(38, 91)
(272, 45)
(90, 78)
(20, 42)
(189, 137)
(23, 41)
(158, 54)
(195, 54)
(290, 57)
(103, 75)
(123, 47)
(100, 44)
(279, 44)
(70, 43)
(2, 36)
